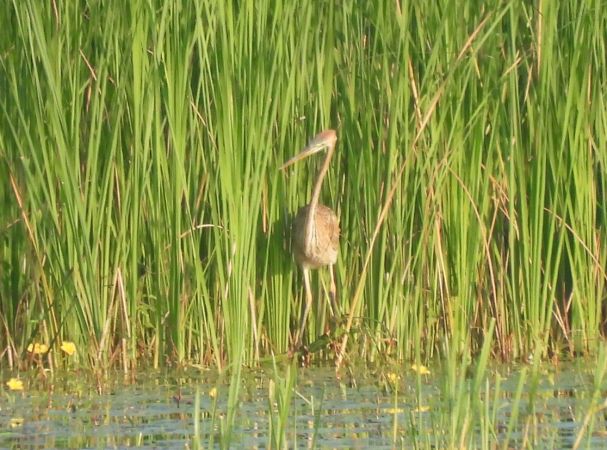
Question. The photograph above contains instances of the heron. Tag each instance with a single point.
(316, 227)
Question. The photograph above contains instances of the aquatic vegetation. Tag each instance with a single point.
(461, 404)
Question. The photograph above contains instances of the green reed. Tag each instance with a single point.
(144, 218)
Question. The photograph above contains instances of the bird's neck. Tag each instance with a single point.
(318, 186)
(311, 218)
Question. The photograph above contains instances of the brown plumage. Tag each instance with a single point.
(316, 227)
(322, 249)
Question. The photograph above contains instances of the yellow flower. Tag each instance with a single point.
(213, 392)
(393, 377)
(421, 409)
(394, 410)
(15, 384)
(37, 348)
(422, 370)
(16, 422)
(68, 347)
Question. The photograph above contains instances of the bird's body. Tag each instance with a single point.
(316, 227)
(324, 243)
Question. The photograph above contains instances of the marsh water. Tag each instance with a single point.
(558, 406)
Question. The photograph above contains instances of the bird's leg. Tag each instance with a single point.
(332, 296)
(306, 308)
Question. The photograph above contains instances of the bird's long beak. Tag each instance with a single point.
(310, 149)
(318, 143)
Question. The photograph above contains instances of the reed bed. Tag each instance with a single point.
(144, 218)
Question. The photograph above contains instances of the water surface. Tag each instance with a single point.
(369, 408)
